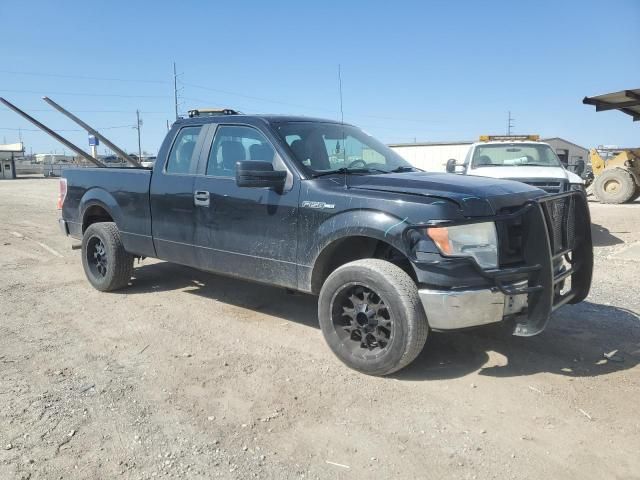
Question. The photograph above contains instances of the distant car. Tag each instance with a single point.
(148, 162)
(518, 157)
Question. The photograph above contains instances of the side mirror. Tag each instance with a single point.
(451, 165)
(579, 168)
(257, 174)
(454, 167)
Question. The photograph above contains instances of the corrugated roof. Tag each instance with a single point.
(563, 140)
(627, 101)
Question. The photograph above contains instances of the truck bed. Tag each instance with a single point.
(122, 191)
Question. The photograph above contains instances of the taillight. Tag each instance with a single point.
(63, 192)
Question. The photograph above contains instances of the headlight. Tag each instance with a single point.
(577, 186)
(476, 240)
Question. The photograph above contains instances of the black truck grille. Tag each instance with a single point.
(510, 238)
(560, 215)
(550, 185)
(560, 220)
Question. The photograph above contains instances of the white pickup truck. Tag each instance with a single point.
(517, 157)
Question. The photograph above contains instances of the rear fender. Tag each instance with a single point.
(102, 198)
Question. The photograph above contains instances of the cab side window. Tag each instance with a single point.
(235, 144)
(182, 157)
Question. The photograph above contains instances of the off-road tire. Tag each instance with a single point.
(623, 188)
(399, 294)
(118, 266)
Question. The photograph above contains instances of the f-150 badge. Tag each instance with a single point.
(309, 204)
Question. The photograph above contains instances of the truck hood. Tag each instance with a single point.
(475, 196)
(526, 172)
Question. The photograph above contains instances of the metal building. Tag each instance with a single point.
(7, 159)
(568, 152)
(433, 156)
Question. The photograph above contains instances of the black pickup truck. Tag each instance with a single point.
(321, 207)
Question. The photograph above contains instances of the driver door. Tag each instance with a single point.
(246, 232)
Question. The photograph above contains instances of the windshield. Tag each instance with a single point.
(326, 147)
(514, 154)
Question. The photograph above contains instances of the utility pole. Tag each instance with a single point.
(510, 120)
(175, 89)
(139, 124)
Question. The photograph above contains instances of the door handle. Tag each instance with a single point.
(201, 198)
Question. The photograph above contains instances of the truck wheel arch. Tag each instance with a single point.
(94, 213)
(357, 247)
(98, 205)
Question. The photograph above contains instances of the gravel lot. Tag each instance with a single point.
(191, 375)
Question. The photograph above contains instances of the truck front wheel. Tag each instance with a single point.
(371, 316)
(106, 263)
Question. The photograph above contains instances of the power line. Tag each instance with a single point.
(253, 97)
(84, 94)
(64, 129)
(88, 111)
(83, 77)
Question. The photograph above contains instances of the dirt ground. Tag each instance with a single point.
(191, 375)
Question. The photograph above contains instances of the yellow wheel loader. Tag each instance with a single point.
(616, 174)
(616, 171)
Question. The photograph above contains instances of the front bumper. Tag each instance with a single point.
(552, 229)
(455, 309)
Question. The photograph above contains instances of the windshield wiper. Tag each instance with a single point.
(404, 168)
(342, 170)
(345, 170)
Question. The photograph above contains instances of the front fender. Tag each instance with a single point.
(365, 223)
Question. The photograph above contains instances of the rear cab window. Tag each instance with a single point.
(183, 156)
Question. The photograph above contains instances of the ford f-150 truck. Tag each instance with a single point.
(320, 207)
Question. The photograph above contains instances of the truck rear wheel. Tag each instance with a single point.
(106, 263)
(371, 316)
(614, 186)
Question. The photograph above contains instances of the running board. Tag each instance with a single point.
(58, 137)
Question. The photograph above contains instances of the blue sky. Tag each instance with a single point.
(430, 70)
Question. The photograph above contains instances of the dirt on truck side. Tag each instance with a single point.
(191, 375)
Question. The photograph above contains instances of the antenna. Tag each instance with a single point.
(510, 120)
(175, 89)
(344, 150)
(340, 87)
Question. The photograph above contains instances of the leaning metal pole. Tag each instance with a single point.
(46, 129)
(93, 131)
